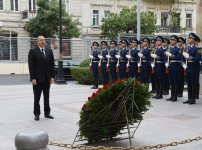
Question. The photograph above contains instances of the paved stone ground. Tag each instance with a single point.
(165, 122)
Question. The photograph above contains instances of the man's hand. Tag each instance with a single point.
(52, 81)
(34, 82)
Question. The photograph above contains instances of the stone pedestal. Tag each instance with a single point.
(32, 140)
(200, 84)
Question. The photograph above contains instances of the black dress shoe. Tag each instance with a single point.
(186, 102)
(179, 95)
(192, 102)
(36, 117)
(49, 116)
(159, 97)
(169, 99)
(174, 100)
(94, 87)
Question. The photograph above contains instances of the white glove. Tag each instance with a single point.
(138, 64)
(186, 55)
(152, 65)
(166, 64)
(107, 65)
(117, 56)
(184, 66)
(128, 56)
(140, 55)
(90, 56)
(168, 54)
(108, 56)
(153, 55)
(100, 56)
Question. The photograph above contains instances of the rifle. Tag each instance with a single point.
(128, 63)
(108, 61)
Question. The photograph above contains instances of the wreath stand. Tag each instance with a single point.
(129, 127)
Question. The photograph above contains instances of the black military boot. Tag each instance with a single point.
(175, 94)
(189, 96)
(172, 95)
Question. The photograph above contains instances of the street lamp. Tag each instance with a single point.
(60, 77)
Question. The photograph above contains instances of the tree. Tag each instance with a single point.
(126, 21)
(46, 22)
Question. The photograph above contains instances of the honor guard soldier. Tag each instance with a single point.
(198, 77)
(166, 77)
(152, 77)
(133, 60)
(123, 60)
(145, 59)
(103, 57)
(158, 61)
(94, 63)
(193, 68)
(181, 46)
(174, 56)
(113, 60)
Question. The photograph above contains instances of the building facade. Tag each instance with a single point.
(15, 41)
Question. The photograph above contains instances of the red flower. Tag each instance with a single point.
(93, 95)
(83, 107)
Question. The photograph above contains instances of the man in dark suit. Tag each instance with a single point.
(41, 68)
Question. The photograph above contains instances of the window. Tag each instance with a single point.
(95, 17)
(106, 13)
(32, 5)
(1, 4)
(189, 20)
(14, 5)
(164, 19)
(67, 5)
(8, 47)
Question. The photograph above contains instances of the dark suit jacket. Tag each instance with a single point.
(41, 68)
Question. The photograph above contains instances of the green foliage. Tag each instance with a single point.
(46, 22)
(97, 118)
(85, 63)
(84, 75)
(175, 19)
(126, 21)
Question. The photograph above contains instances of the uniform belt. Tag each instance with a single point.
(145, 61)
(95, 61)
(159, 62)
(133, 61)
(123, 61)
(191, 61)
(175, 61)
(112, 60)
(104, 60)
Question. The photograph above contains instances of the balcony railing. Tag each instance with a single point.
(168, 29)
(26, 14)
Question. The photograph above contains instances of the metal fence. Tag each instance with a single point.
(16, 49)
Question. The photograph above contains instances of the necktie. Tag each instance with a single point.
(42, 50)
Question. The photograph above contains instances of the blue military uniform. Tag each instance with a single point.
(145, 63)
(174, 69)
(123, 61)
(133, 70)
(181, 80)
(198, 76)
(105, 73)
(95, 70)
(193, 69)
(113, 61)
(166, 77)
(152, 76)
(159, 69)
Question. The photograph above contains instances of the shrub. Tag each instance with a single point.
(104, 105)
(85, 63)
(84, 75)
